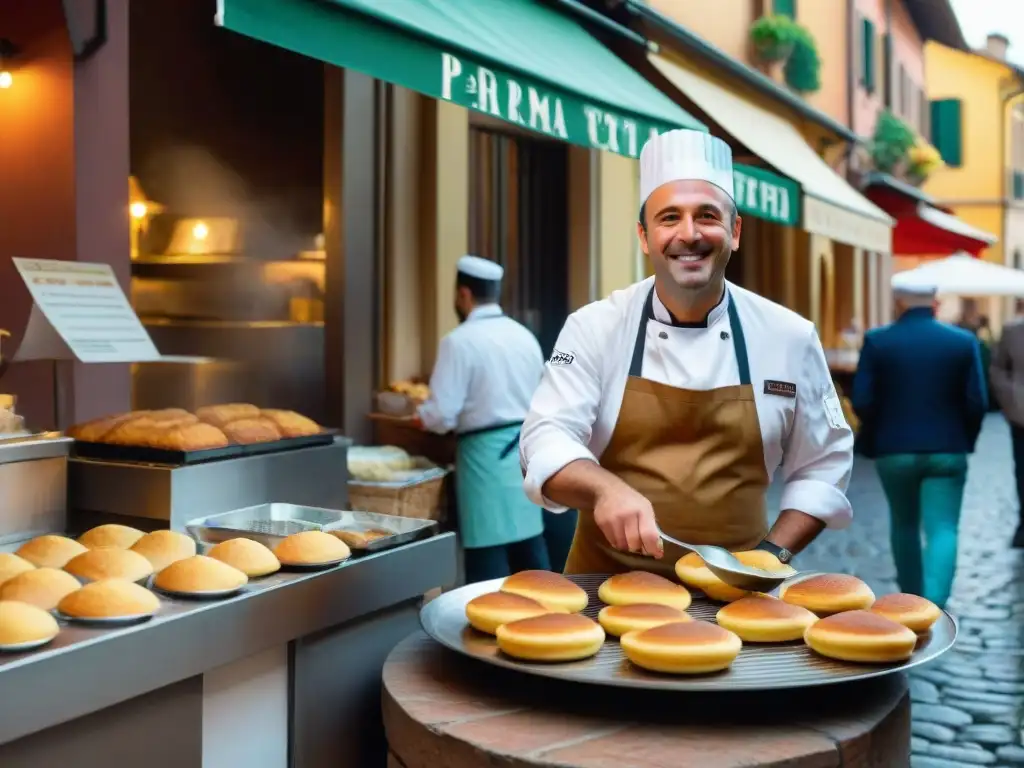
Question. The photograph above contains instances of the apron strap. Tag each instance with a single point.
(739, 342)
(512, 445)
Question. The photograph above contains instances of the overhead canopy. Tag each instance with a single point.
(922, 227)
(963, 275)
(517, 60)
(831, 207)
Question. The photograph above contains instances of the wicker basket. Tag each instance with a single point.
(421, 496)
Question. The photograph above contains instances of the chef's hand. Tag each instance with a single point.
(626, 518)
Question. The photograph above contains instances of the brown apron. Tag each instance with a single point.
(696, 455)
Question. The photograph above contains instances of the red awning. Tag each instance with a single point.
(924, 229)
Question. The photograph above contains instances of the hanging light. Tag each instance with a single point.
(7, 52)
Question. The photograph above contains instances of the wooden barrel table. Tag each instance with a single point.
(442, 710)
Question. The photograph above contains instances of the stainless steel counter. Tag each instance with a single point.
(86, 670)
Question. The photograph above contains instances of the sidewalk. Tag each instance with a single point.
(969, 705)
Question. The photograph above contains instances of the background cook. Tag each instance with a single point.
(673, 402)
(486, 371)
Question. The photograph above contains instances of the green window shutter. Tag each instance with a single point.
(887, 87)
(1018, 185)
(785, 8)
(947, 130)
(867, 63)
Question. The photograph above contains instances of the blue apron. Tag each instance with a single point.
(493, 507)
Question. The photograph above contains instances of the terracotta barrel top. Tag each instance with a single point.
(445, 711)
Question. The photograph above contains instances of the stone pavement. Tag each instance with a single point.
(968, 706)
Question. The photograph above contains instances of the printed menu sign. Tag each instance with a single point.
(80, 312)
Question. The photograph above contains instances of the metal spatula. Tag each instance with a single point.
(725, 566)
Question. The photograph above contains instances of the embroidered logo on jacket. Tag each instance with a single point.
(780, 388)
(561, 358)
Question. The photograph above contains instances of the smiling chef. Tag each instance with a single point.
(672, 403)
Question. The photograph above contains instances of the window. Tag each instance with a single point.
(867, 72)
(887, 86)
(947, 130)
(905, 94)
(923, 115)
(785, 8)
(1018, 185)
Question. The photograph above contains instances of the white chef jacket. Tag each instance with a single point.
(574, 410)
(487, 370)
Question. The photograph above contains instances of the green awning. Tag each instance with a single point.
(517, 60)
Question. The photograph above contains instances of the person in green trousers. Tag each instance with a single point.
(920, 395)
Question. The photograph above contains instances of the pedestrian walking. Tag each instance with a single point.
(1006, 374)
(919, 392)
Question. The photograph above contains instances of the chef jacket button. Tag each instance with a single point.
(662, 335)
(724, 335)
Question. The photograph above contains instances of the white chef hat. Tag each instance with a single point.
(685, 155)
(480, 269)
(914, 291)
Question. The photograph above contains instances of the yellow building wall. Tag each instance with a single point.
(826, 21)
(975, 190)
(725, 24)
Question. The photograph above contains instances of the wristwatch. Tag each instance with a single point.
(782, 553)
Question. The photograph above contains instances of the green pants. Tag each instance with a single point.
(925, 492)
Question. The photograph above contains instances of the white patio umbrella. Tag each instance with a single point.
(963, 275)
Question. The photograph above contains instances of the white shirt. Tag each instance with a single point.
(486, 371)
(574, 410)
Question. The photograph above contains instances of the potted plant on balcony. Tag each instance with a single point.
(802, 70)
(773, 37)
(922, 160)
(891, 142)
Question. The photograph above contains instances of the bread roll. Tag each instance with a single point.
(145, 430)
(250, 431)
(764, 619)
(110, 535)
(50, 551)
(188, 437)
(683, 648)
(41, 587)
(913, 612)
(861, 636)
(828, 593)
(292, 424)
(312, 548)
(21, 623)
(551, 637)
(198, 574)
(692, 571)
(11, 565)
(162, 548)
(96, 430)
(643, 587)
(250, 557)
(551, 590)
(617, 620)
(489, 611)
(109, 563)
(222, 415)
(109, 599)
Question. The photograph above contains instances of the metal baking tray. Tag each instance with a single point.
(757, 668)
(142, 455)
(270, 523)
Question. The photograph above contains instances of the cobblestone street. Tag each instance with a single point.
(968, 706)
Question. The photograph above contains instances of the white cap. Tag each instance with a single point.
(481, 269)
(685, 155)
(915, 291)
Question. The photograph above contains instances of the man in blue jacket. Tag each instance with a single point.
(920, 395)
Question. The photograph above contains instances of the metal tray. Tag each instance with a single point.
(270, 523)
(143, 455)
(757, 668)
